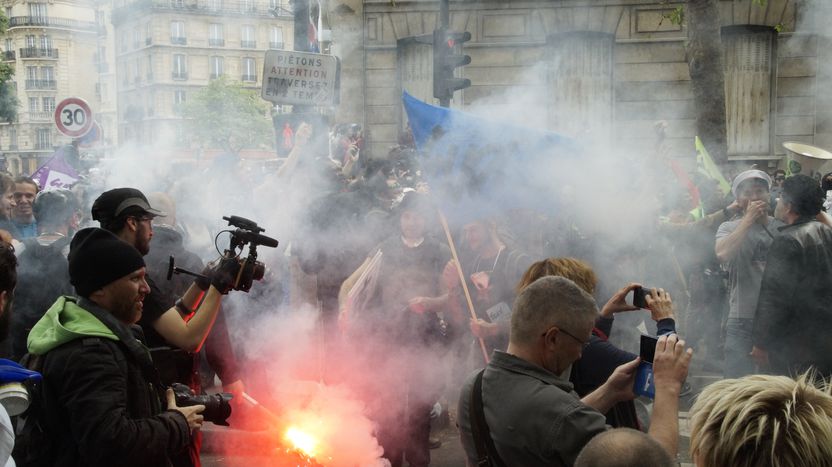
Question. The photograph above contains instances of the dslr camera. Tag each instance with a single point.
(247, 232)
(217, 406)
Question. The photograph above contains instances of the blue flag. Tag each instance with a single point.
(477, 168)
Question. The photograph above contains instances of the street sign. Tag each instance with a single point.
(73, 117)
(301, 78)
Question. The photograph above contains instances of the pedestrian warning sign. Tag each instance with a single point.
(301, 78)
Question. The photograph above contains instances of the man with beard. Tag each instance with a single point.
(795, 292)
(99, 382)
(127, 213)
(43, 265)
(8, 280)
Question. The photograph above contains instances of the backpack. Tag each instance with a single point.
(32, 447)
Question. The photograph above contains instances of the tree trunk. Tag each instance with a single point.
(704, 55)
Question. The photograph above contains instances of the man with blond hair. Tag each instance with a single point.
(763, 420)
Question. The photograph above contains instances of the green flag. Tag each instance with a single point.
(706, 166)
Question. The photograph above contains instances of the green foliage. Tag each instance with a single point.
(8, 94)
(761, 3)
(778, 27)
(8, 103)
(227, 116)
(676, 16)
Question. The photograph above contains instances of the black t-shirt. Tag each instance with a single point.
(156, 303)
(406, 273)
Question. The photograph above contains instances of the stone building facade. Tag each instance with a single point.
(168, 49)
(58, 49)
(607, 68)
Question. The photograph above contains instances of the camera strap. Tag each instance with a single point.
(132, 337)
(486, 451)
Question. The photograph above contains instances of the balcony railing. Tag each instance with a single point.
(249, 78)
(182, 75)
(40, 116)
(43, 145)
(41, 84)
(37, 52)
(8, 55)
(50, 21)
(276, 45)
(216, 42)
(248, 44)
(225, 8)
(178, 40)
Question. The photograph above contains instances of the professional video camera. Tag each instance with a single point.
(217, 406)
(247, 233)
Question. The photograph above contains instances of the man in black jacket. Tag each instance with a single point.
(797, 285)
(101, 398)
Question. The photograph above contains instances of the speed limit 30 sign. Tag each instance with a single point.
(73, 117)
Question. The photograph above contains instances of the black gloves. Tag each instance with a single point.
(224, 275)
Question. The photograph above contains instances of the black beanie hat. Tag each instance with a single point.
(97, 257)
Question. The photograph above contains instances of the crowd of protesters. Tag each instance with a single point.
(495, 318)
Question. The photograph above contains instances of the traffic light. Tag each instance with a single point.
(446, 60)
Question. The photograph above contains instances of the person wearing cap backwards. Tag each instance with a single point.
(742, 245)
(795, 292)
(126, 213)
(101, 395)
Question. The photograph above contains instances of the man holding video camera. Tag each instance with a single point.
(101, 403)
(126, 213)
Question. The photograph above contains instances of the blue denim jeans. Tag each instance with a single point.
(738, 345)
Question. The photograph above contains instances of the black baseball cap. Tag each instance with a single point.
(118, 202)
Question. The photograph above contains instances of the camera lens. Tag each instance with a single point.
(259, 271)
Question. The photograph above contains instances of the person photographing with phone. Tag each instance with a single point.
(521, 409)
(600, 358)
(742, 245)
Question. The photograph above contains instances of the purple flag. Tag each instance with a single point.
(55, 173)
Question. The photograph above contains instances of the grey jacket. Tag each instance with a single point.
(534, 416)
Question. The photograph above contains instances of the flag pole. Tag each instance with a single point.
(462, 281)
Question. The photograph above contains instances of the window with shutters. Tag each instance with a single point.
(44, 138)
(247, 38)
(249, 73)
(180, 67)
(216, 67)
(216, 37)
(49, 104)
(37, 10)
(579, 80)
(749, 70)
(177, 33)
(276, 37)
